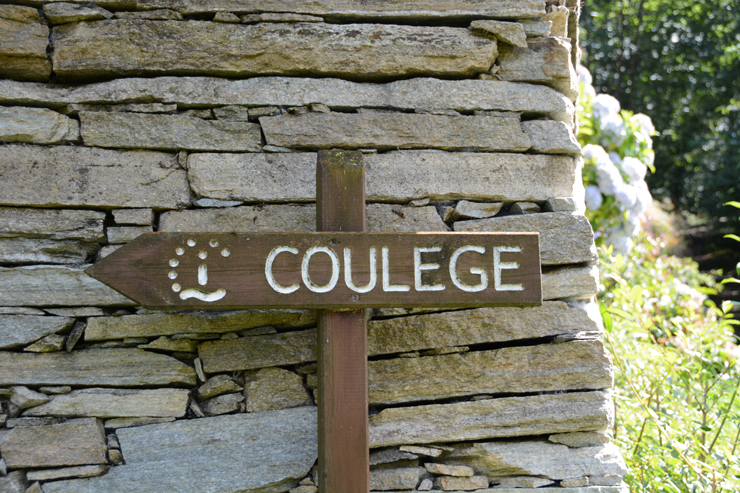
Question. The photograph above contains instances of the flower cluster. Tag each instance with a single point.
(617, 148)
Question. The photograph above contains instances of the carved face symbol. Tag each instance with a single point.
(202, 253)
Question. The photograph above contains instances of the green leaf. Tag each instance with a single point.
(733, 203)
(733, 237)
(608, 323)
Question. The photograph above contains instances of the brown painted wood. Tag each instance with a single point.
(142, 270)
(344, 450)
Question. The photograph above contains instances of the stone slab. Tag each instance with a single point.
(268, 389)
(73, 443)
(261, 452)
(55, 286)
(461, 95)
(60, 224)
(373, 9)
(390, 177)
(578, 365)
(196, 322)
(19, 330)
(493, 418)
(565, 238)
(387, 131)
(551, 137)
(544, 61)
(123, 234)
(116, 423)
(25, 38)
(40, 250)
(64, 12)
(116, 403)
(404, 334)
(404, 478)
(36, 126)
(296, 218)
(571, 282)
(507, 32)
(14, 482)
(67, 472)
(91, 177)
(358, 51)
(94, 367)
(167, 132)
(137, 217)
(539, 458)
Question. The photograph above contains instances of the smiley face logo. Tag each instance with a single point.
(202, 253)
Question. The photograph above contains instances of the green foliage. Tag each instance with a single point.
(678, 413)
(678, 61)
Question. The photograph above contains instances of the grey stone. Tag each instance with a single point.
(558, 15)
(521, 482)
(223, 404)
(47, 344)
(19, 422)
(494, 418)
(138, 217)
(539, 458)
(23, 52)
(417, 449)
(167, 132)
(449, 470)
(55, 286)
(19, 330)
(294, 218)
(52, 224)
(124, 234)
(21, 250)
(405, 334)
(565, 238)
(74, 335)
(91, 177)
(65, 389)
(217, 203)
(401, 478)
(264, 111)
(461, 484)
(571, 282)
(229, 50)
(73, 443)
(36, 126)
(261, 452)
(67, 472)
(116, 423)
(165, 324)
(534, 28)
(559, 204)
(426, 485)
(413, 175)
(524, 208)
(545, 61)
(269, 389)
(152, 15)
(582, 365)
(507, 32)
(393, 131)
(14, 482)
(271, 17)
(20, 310)
(64, 12)
(460, 95)
(580, 439)
(34, 488)
(115, 457)
(358, 9)
(217, 385)
(24, 398)
(172, 345)
(551, 137)
(116, 403)
(227, 17)
(114, 367)
(575, 482)
(389, 456)
(475, 210)
(232, 112)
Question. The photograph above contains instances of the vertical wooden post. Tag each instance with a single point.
(344, 463)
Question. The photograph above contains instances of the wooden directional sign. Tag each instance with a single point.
(325, 270)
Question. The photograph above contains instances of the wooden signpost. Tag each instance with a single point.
(340, 270)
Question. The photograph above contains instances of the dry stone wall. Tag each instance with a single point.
(121, 117)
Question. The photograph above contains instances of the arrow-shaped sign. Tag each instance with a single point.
(325, 270)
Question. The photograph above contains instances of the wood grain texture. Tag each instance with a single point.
(344, 454)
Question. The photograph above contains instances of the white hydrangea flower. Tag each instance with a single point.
(634, 169)
(608, 177)
(645, 124)
(604, 106)
(592, 151)
(626, 196)
(649, 158)
(622, 244)
(644, 199)
(631, 225)
(588, 91)
(584, 76)
(593, 197)
(615, 158)
(612, 126)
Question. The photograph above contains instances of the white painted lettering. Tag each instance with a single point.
(387, 286)
(202, 274)
(498, 266)
(334, 269)
(348, 272)
(419, 266)
(268, 270)
(483, 284)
